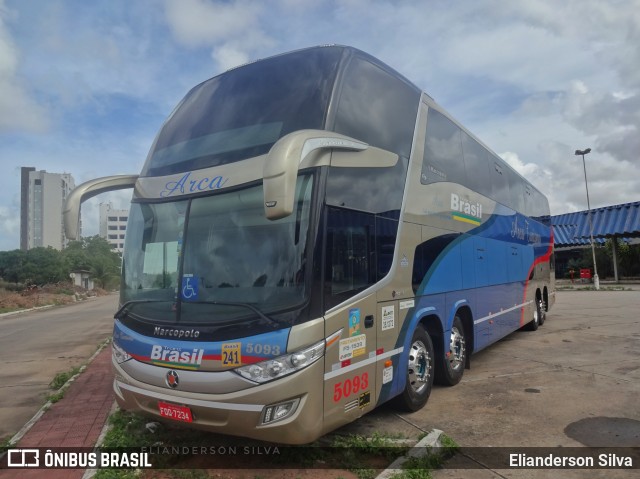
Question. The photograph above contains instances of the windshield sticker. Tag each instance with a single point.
(354, 322)
(353, 347)
(188, 185)
(176, 357)
(189, 287)
(388, 317)
(231, 354)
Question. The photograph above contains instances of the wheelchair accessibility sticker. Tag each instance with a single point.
(189, 287)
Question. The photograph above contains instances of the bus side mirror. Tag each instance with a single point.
(89, 189)
(305, 147)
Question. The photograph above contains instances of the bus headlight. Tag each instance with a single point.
(120, 354)
(275, 368)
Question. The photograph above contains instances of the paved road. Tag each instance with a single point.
(574, 382)
(37, 345)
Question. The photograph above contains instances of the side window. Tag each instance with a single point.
(443, 159)
(375, 190)
(516, 190)
(540, 208)
(476, 162)
(350, 254)
(377, 108)
(529, 201)
(499, 182)
(386, 232)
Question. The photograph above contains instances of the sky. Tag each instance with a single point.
(85, 86)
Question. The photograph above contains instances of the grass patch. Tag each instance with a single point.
(421, 467)
(592, 288)
(61, 379)
(363, 456)
(58, 383)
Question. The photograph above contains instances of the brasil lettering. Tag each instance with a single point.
(176, 358)
(465, 211)
(188, 185)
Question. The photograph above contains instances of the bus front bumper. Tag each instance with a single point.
(247, 413)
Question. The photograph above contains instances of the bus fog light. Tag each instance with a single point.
(277, 412)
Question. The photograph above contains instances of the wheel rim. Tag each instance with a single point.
(538, 312)
(542, 308)
(456, 349)
(419, 366)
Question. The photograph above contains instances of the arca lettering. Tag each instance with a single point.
(188, 185)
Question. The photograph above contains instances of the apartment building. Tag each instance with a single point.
(113, 226)
(42, 198)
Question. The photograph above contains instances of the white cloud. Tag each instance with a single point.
(18, 110)
(232, 30)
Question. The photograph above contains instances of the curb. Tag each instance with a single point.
(89, 473)
(46, 306)
(426, 446)
(20, 311)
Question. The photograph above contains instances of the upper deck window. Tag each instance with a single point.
(243, 112)
(377, 107)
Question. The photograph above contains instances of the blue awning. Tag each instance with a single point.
(621, 221)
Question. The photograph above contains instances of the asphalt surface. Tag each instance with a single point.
(574, 382)
(37, 345)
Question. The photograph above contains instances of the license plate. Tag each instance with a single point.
(175, 412)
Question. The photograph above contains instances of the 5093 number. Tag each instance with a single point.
(346, 388)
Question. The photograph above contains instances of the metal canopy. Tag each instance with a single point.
(620, 221)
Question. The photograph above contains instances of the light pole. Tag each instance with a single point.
(596, 280)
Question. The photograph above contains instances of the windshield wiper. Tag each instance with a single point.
(125, 306)
(272, 321)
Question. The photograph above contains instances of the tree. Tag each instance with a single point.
(11, 265)
(35, 266)
(94, 254)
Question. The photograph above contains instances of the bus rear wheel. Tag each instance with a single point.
(451, 364)
(543, 311)
(420, 372)
(537, 318)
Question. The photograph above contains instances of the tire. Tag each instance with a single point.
(542, 308)
(535, 322)
(420, 372)
(450, 367)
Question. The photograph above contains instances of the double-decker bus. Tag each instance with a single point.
(311, 236)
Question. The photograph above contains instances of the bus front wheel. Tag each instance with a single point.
(451, 364)
(420, 370)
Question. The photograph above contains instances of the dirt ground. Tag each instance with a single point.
(44, 296)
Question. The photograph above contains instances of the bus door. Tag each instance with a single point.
(350, 370)
(485, 302)
(510, 321)
(351, 325)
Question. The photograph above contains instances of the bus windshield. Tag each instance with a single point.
(243, 112)
(236, 265)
